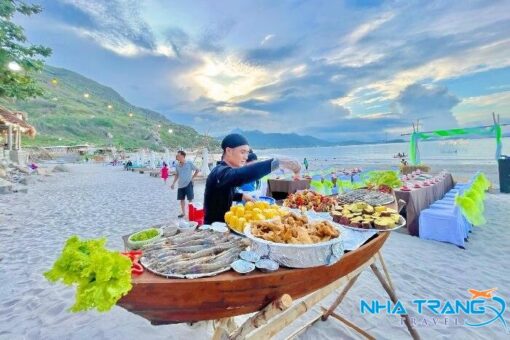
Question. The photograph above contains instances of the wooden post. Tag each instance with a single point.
(221, 329)
(394, 299)
(340, 298)
(351, 325)
(261, 318)
(9, 138)
(385, 270)
(18, 139)
(287, 317)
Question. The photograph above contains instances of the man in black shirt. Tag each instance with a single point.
(231, 172)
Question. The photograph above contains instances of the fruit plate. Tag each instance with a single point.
(235, 231)
(402, 222)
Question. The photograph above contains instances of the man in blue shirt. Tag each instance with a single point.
(231, 173)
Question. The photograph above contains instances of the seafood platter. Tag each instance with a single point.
(309, 200)
(192, 255)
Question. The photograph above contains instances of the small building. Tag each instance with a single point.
(12, 126)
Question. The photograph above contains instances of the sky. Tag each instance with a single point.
(336, 70)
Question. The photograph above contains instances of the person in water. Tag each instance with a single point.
(231, 172)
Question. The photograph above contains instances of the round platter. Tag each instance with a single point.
(401, 223)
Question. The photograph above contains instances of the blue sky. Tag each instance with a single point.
(332, 69)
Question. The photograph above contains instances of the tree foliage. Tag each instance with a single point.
(14, 48)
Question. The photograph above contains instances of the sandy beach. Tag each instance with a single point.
(95, 200)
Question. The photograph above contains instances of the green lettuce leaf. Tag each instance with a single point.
(101, 276)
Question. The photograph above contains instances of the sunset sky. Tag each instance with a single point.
(332, 69)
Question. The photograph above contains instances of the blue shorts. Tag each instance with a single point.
(186, 192)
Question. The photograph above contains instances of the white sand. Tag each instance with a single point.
(94, 201)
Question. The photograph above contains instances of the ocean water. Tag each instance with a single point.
(474, 151)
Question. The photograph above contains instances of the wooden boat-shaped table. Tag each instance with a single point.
(165, 301)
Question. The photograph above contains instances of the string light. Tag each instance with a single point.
(14, 66)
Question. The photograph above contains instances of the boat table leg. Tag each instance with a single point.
(282, 320)
(221, 328)
(386, 273)
(394, 299)
(261, 318)
(340, 298)
(350, 324)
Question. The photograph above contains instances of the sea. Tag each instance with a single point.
(463, 151)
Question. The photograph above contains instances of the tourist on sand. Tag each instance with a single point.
(184, 177)
(164, 172)
(305, 162)
(231, 173)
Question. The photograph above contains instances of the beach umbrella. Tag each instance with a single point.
(167, 157)
(153, 160)
(205, 163)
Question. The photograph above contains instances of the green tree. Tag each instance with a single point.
(15, 51)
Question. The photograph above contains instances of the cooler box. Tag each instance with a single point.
(504, 174)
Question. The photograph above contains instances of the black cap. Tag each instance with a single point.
(233, 141)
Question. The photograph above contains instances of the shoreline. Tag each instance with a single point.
(95, 200)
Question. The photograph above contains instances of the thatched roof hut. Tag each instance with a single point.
(17, 120)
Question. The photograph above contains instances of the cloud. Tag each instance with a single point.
(431, 104)
(266, 39)
(115, 23)
(366, 28)
(479, 108)
(212, 35)
(178, 40)
(360, 129)
(224, 79)
(197, 60)
(261, 56)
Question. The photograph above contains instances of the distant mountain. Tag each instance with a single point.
(261, 140)
(77, 110)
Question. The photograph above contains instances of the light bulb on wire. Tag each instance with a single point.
(14, 66)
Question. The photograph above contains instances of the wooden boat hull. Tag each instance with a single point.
(164, 301)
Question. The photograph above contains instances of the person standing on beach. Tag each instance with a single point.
(164, 172)
(184, 177)
(231, 173)
(305, 162)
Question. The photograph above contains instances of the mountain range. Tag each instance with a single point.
(77, 110)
